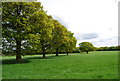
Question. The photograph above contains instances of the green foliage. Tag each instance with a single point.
(59, 35)
(76, 50)
(86, 47)
(42, 31)
(70, 43)
(28, 29)
(16, 17)
(112, 48)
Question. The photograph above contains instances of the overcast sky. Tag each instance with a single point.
(94, 21)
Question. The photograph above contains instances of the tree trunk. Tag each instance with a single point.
(57, 52)
(87, 52)
(67, 53)
(18, 39)
(18, 51)
(43, 53)
(18, 58)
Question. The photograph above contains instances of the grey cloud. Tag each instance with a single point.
(108, 39)
(61, 20)
(113, 38)
(90, 36)
(110, 29)
(87, 36)
(101, 40)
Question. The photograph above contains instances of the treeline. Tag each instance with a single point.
(83, 49)
(112, 48)
(27, 29)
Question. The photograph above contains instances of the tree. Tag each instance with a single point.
(42, 30)
(58, 36)
(86, 47)
(112, 48)
(76, 50)
(16, 24)
(69, 43)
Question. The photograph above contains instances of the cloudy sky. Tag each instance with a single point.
(94, 21)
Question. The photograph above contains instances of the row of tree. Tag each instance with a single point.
(87, 46)
(27, 28)
(112, 48)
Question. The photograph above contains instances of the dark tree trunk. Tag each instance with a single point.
(18, 39)
(18, 51)
(57, 52)
(87, 52)
(43, 53)
(67, 53)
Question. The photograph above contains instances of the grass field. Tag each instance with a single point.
(95, 65)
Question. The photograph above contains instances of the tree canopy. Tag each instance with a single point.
(27, 27)
(16, 23)
(86, 47)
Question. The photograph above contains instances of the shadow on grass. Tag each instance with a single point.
(34, 57)
(47, 57)
(27, 59)
(13, 61)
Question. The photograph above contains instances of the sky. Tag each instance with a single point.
(94, 21)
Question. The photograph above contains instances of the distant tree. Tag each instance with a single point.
(76, 50)
(112, 48)
(97, 49)
(86, 47)
(118, 47)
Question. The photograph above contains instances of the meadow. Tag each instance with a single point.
(95, 65)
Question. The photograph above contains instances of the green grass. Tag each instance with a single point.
(95, 65)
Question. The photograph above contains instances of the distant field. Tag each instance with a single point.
(95, 65)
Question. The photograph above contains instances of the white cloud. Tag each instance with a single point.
(87, 16)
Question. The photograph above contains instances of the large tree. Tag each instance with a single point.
(42, 31)
(58, 36)
(16, 23)
(86, 47)
(70, 43)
